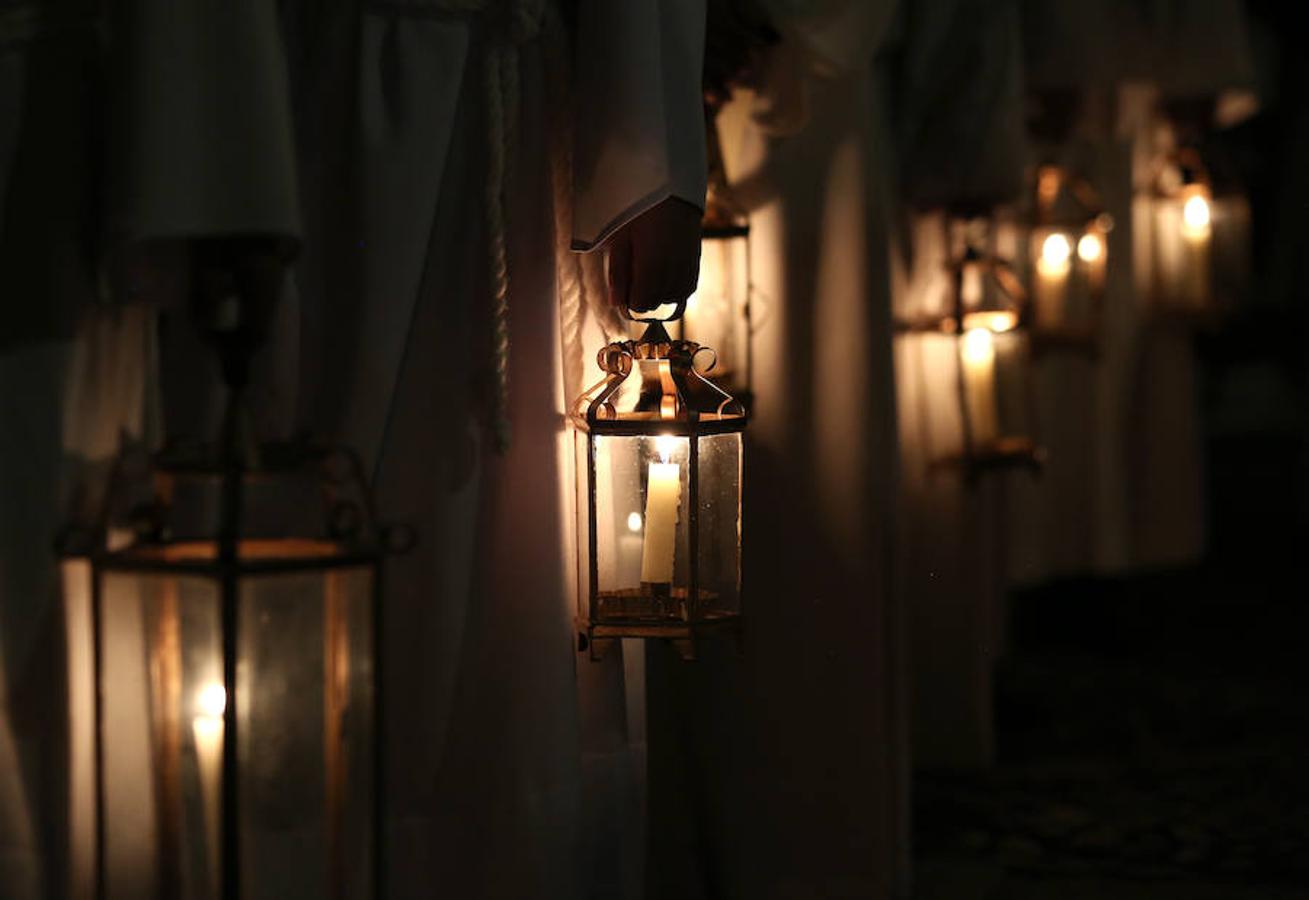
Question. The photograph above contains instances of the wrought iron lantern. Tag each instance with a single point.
(236, 617)
(1068, 254)
(987, 315)
(659, 468)
(718, 314)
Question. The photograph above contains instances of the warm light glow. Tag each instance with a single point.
(1195, 216)
(634, 521)
(212, 700)
(1090, 247)
(1055, 250)
(991, 320)
(979, 347)
(665, 444)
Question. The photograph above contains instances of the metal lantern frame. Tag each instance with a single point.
(674, 400)
(351, 540)
(1081, 217)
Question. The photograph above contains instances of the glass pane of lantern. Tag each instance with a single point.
(715, 314)
(305, 743)
(720, 525)
(1231, 248)
(996, 389)
(161, 661)
(1013, 388)
(642, 555)
(305, 739)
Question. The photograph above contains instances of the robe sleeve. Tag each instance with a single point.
(639, 131)
(205, 147)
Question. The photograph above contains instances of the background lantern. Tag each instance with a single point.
(236, 617)
(659, 463)
(1197, 255)
(718, 314)
(986, 315)
(1067, 257)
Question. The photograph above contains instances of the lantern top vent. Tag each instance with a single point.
(668, 392)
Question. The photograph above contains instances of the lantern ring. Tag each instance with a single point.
(615, 359)
(344, 519)
(704, 369)
(398, 539)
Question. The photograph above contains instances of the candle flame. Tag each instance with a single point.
(1090, 247)
(212, 700)
(634, 521)
(665, 444)
(1195, 214)
(1055, 250)
(979, 346)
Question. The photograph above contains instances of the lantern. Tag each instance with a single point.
(236, 619)
(1068, 255)
(986, 315)
(659, 463)
(718, 313)
(1199, 239)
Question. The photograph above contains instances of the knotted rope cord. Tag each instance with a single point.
(513, 23)
(579, 278)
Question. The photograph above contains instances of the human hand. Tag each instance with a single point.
(655, 258)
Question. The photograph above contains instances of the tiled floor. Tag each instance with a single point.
(1153, 741)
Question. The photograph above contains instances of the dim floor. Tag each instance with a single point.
(1152, 739)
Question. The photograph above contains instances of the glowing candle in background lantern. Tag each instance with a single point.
(207, 728)
(662, 498)
(978, 361)
(1053, 265)
(1196, 233)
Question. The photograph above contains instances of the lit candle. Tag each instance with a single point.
(662, 496)
(1052, 268)
(978, 360)
(207, 727)
(1196, 230)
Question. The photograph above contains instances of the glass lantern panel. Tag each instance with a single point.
(305, 708)
(720, 526)
(1231, 248)
(642, 564)
(1067, 276)
(716, 313)
(161, 661)
(305, 676)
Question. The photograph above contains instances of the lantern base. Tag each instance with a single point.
(596, 636)
(997, 455)
(1065, 339)
(653, 603)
